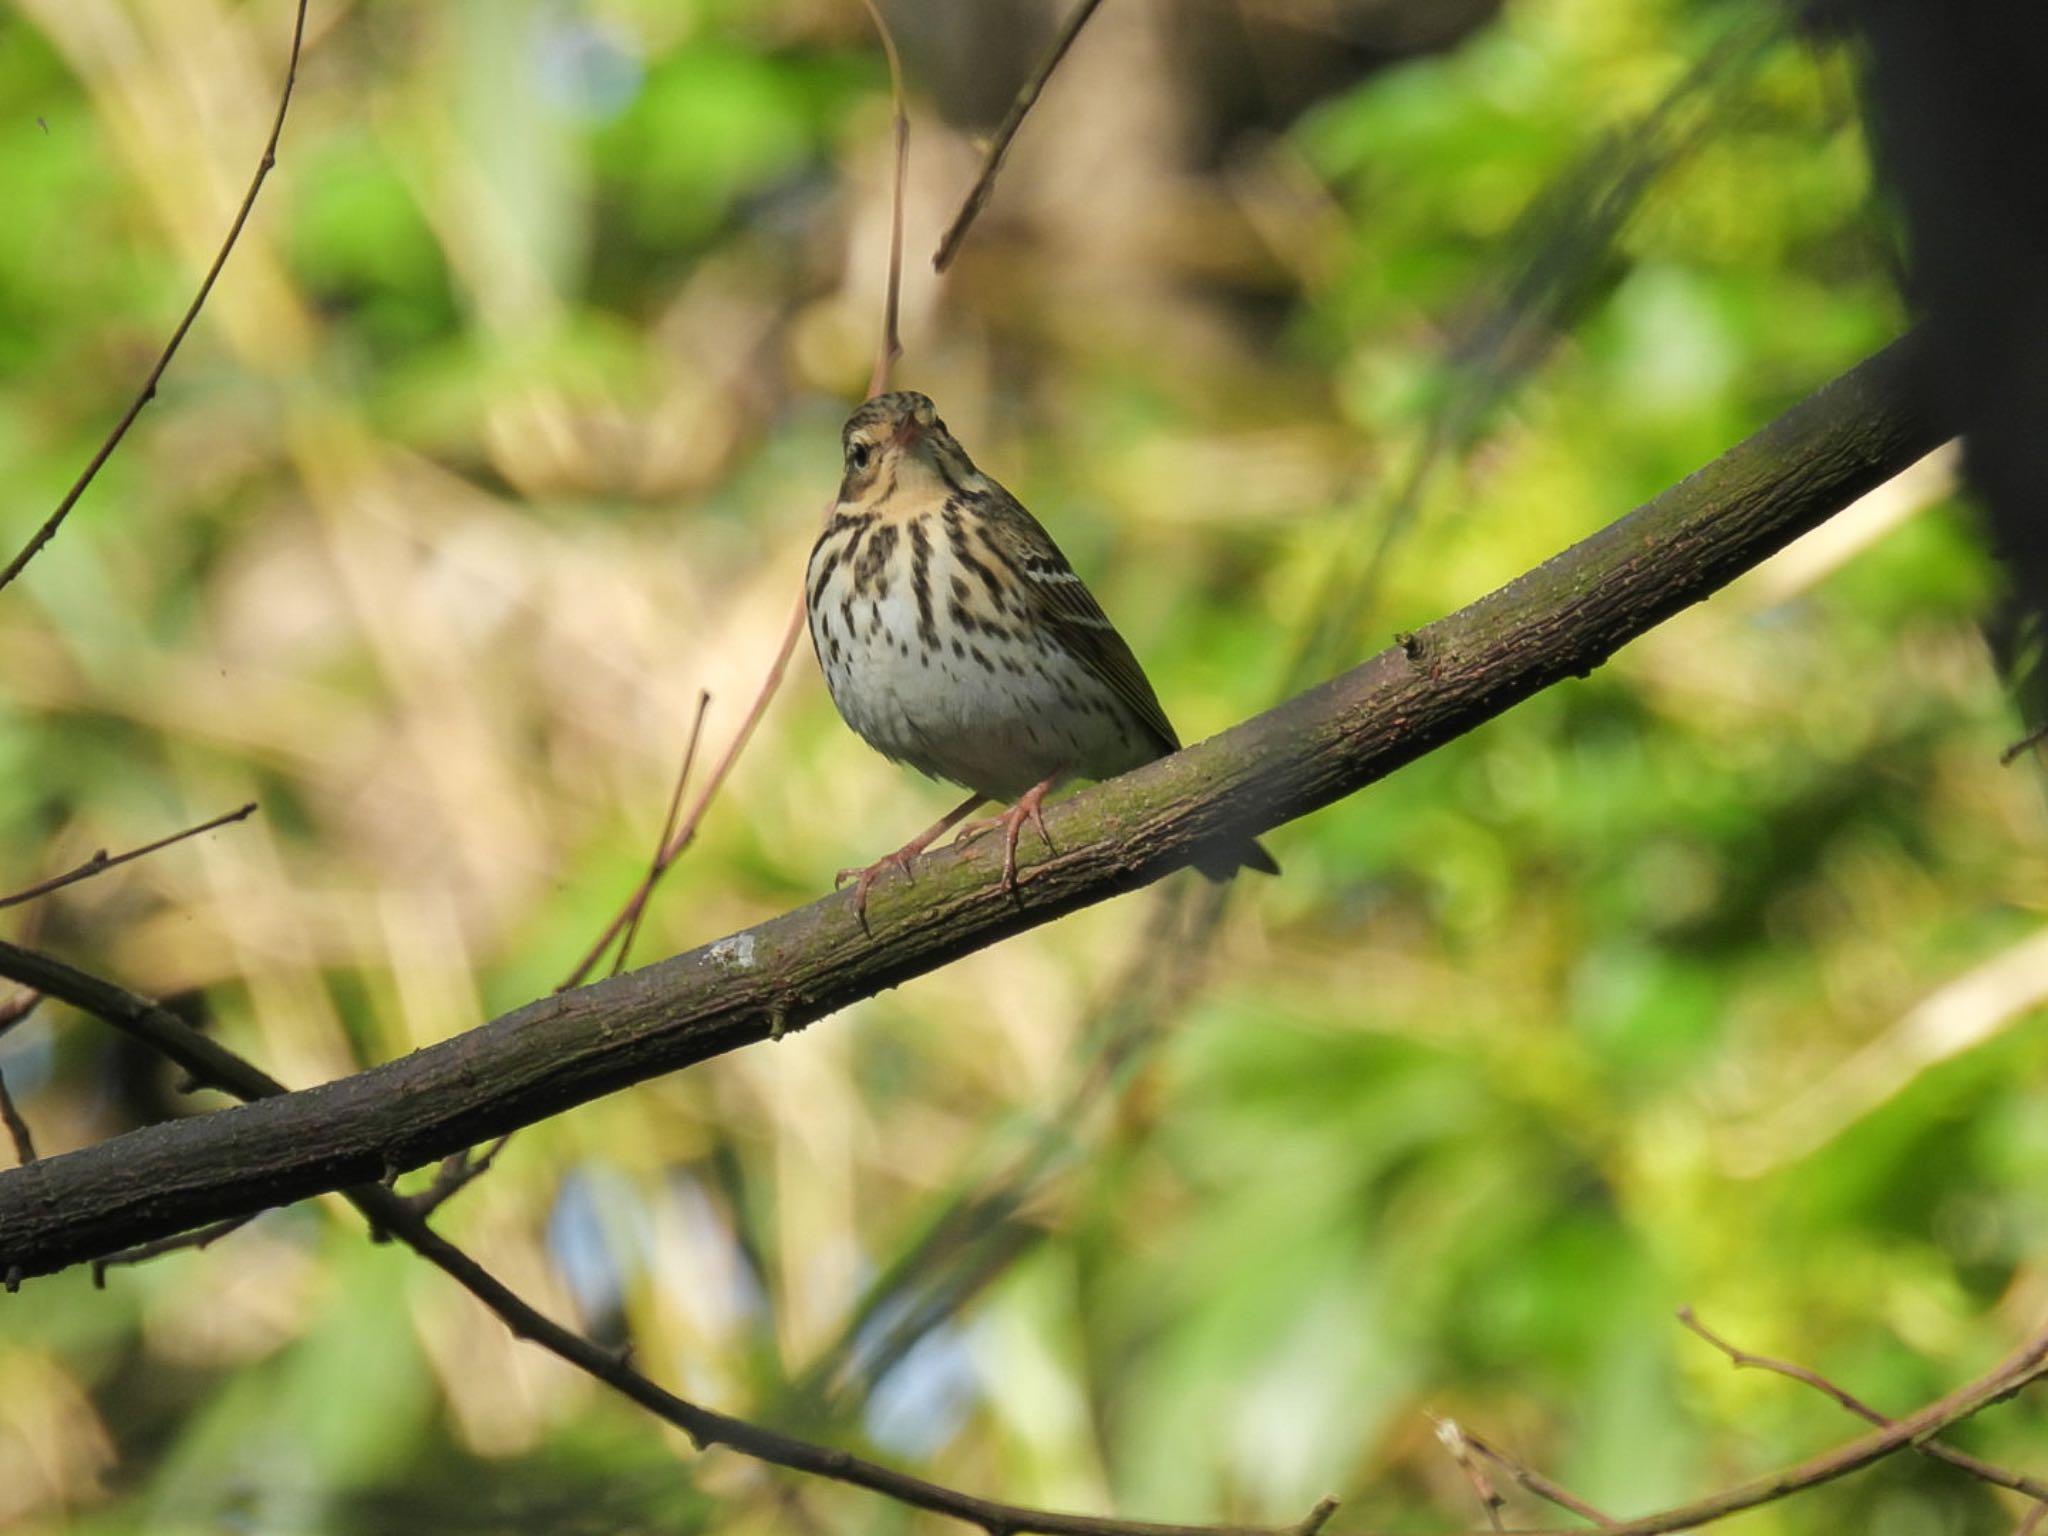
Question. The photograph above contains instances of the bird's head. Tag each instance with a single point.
(897, 441)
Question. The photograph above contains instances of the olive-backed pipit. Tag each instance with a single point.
(956, 638)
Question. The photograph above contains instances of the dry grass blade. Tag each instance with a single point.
(102, 861)
(992, 162)
(48, 531)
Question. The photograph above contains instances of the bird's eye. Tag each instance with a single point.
(857, 457)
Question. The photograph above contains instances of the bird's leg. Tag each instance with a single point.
(1028, 808)
(901, 858)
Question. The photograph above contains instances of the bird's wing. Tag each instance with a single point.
(1070, 611)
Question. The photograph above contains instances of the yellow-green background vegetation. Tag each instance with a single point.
(1712, 978)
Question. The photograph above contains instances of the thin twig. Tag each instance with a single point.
(2033, 738)
(17, 1128)
(1963, 1461)
(48, 531)
(892, 344)
(456, 1174)
(687, 833)
(1453, 1440)
(1537, 1483)
(392, 1214)
(662, 856)
(142, 1253)
(999, 146)
(103, 861)
(17, 1008)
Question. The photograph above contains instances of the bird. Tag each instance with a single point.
(957, 639)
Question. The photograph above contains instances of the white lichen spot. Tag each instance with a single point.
(735, 953)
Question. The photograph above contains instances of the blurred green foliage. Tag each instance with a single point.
(1711, 979)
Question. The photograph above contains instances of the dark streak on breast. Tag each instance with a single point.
(963, 554)
(872, 569)
(921, 582)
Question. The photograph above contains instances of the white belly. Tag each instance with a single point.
(996, 714)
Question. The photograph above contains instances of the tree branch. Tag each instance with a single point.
(394, 1215)
(1561, 620)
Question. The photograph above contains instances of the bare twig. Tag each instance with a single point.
(1452, 1438)
(2024, 1366)
(892, 345)
(392, 1214)
(456, 1174)
(147, 393)
(999, 146)
(1536, 1482)
(17, 1128)
(17, 1008)
(142, 1253)
(2033, 738)
(103, 861)
(663, 856)
(687, 833)
(1963, 1461)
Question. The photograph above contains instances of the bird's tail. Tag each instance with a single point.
(1222, 865)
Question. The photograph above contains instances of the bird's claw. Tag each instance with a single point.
(1031, 809)
(864, 878)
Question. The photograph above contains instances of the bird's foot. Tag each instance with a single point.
(1029, 807)
(900, 859)
(866, 877)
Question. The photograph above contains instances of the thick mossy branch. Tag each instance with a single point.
(1560, 620)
